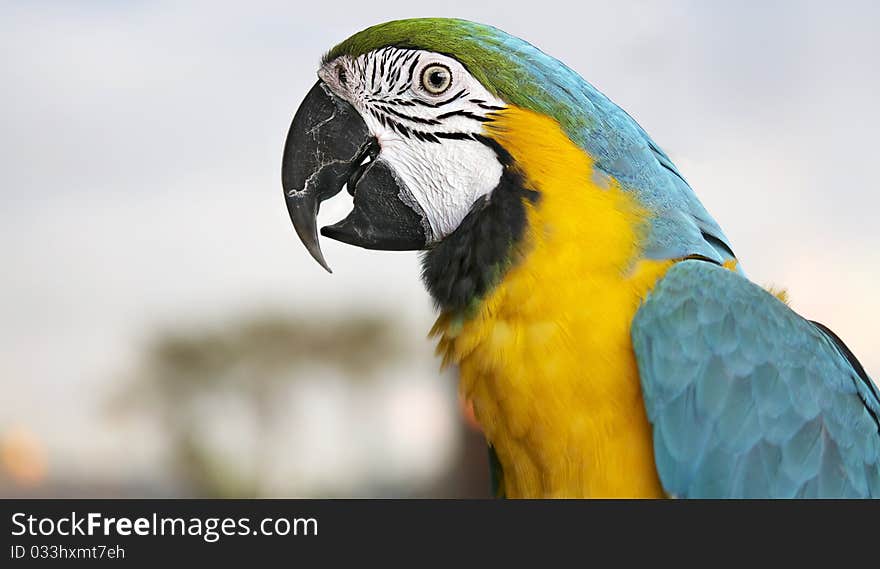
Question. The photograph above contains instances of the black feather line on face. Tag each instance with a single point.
(401, 129)
(455, 135)
(412, 69)
(397, 55)
(455, 97)
(392, 124)
(464, 113)
(419, 120)
(469, 262)
(382, 65)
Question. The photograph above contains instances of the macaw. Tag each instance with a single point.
(609, 341)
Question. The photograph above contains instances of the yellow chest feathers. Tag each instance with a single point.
(546, 358)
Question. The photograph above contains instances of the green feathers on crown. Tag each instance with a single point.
(489, 54)
(458, 38)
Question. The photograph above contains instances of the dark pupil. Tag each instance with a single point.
(343, 78)
(436, 78)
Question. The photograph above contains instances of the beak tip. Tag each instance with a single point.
(314, 250)
(324, 264)
(317, 255)
(303, 217)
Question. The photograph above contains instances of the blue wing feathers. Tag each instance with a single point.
(747, 398)
(712, 395)
(802, 453)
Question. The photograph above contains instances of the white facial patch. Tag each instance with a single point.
(445, 179)
(427, 112)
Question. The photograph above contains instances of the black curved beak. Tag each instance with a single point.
(329, 146)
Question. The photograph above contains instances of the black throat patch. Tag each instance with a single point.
(463, 267)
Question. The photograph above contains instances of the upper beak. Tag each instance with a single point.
(327, 147)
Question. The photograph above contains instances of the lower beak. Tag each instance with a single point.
(329, 146)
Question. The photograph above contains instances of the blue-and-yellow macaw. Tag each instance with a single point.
(604, 333)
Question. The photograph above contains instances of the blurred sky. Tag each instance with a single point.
(140, 149)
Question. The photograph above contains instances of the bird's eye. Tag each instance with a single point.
(340, 73)
(436, 79)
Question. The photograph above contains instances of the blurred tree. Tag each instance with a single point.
(253, 358)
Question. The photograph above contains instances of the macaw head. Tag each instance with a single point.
(409, 115)
(398, 116)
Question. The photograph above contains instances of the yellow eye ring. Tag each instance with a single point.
(436, 79)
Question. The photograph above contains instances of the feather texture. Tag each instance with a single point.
(748, 399)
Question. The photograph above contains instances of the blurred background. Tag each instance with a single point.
(165, 334)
